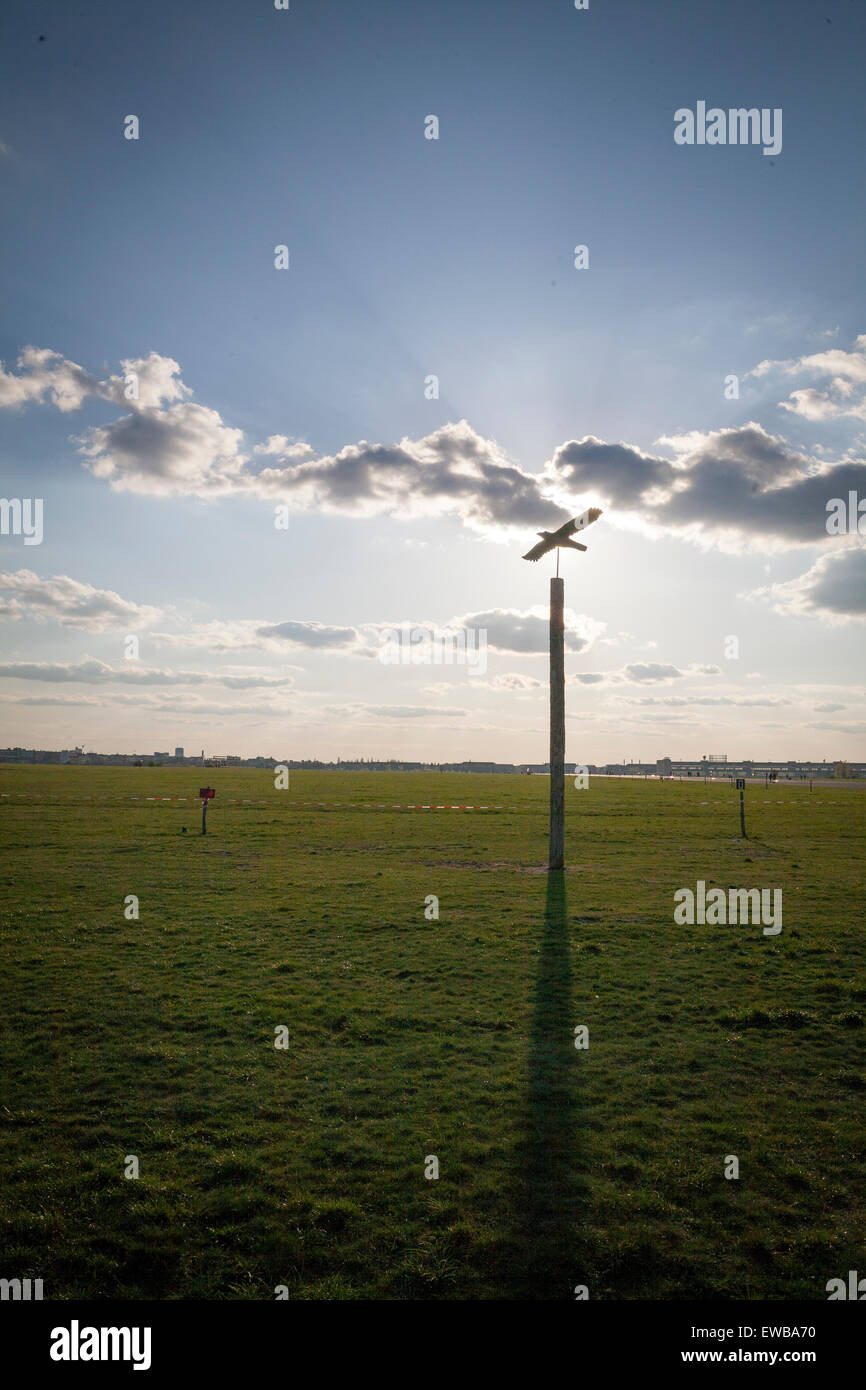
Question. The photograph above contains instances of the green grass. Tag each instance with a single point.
(411, 1037)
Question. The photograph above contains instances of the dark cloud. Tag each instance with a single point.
(310, 634)
(651, 671)
(453, 470)
(736, 484)
(620, 473)
(834, 588)
(525, 633)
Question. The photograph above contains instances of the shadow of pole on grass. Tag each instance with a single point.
(551, 1190)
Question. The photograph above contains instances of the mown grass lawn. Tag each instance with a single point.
(411, 1037)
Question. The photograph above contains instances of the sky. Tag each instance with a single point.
(266, 478)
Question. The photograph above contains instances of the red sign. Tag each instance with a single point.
(206, 793)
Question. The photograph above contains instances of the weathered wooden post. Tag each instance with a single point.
(206, 794)
(741, 785)
(557, 540)
(556, 854)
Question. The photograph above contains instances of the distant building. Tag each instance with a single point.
(178, 752)
(664, 767)
(161, 755)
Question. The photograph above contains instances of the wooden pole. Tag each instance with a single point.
(556, 857)
(204, 817)
(742, 814)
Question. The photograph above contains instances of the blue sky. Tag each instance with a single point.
(410, 257)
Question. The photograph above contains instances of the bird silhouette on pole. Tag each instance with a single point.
(557, 540)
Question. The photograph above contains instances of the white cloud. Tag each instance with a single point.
(281, 446)
(44, 373)
(514, 681)
(70, 603)
(219, 635)
(186, 705)
(845, 395)
(393, 711)
(745, 701)
(157, 382)
(856, 728)
(90, 671)
(811, 404)
(824, 405)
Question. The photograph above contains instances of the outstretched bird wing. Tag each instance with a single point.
(579, 522)
(538, 550)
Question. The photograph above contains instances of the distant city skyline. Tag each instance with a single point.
(314, 317)
(720, 763)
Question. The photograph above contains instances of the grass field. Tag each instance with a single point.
(411, 1037)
